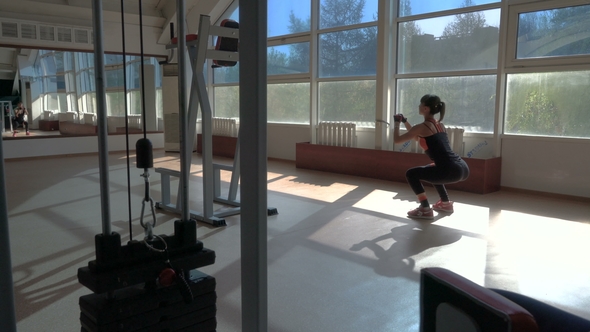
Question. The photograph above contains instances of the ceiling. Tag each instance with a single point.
(156, 18)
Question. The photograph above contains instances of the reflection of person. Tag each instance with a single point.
(20, 119)
(447, 166)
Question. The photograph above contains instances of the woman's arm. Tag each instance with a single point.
(414, 132)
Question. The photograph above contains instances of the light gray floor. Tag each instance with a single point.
(342, 256)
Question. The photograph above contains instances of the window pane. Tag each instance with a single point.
(72, 104)
(62, 102)
(68, 61)
(348, 53)
(114, 78)
(60, 82)
(115, 103)
(288, 16)
(470, 100)
(112, 59)
(51, 102)
(59, 62)
(288, 102)
(50, 84)
(431, 45)
(227, 101)
(337, 13)
(415, 7)
(557, 32)
(348, 101)
(548, 104)
(227, 74)
(48, 65)
(288, 59)
(134, 102)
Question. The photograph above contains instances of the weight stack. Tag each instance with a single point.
(161, 309)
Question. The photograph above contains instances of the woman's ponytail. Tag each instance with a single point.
(441, 106)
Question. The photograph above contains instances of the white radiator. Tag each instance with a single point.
(337, 133)
(456, 139)
(134, 121)
(48, 115)
(67, 117)
(89, 118)
(224, 127)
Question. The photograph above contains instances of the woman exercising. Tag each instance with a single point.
(447, 166)
(19, 119)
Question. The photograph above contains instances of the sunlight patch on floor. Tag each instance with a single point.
(467, 218)
(330, 193)
(540, 251)
(384, 202)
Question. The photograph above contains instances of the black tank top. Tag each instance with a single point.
(439, 149)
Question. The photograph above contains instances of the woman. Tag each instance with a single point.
(447, 166)
(19, 119)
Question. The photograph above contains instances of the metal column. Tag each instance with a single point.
(7, 312)
(253, 159)
(101, 117)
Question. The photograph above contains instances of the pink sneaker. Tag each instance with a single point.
(441, 206)
(28, 133)
(14, 133)
(421, 212)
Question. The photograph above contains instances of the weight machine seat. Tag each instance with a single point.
(189, 37)
(227, 44)
(450, 302)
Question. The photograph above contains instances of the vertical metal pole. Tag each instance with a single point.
(184, 139)
(7, 312)
(253, 116)
(101, 116)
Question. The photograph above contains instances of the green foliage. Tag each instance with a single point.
(551, 104)
(337, 13)
(465, 24)
(347, 101)
(539, 116)
(288, 102)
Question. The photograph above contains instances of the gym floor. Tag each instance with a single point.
(342, 256)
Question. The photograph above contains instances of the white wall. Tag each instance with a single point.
(283, 137)
(546, 164)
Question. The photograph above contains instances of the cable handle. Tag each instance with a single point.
(153, 224)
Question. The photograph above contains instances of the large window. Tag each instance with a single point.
(449, 47)
(548, 104)
(470, 100)
(547, 65)
(348, 53)
(344, 42)
(465, 41)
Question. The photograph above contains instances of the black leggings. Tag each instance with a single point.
(16, 123)
(438, 176)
